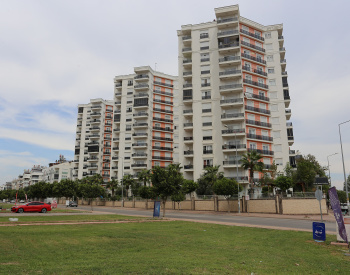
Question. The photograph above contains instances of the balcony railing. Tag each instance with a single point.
(163, 84)
(163, 93)
(252, 35)
(139, 134)
(139, 144)
(186, 37)
(230, 58)
(228, 45)
(162, 158)
(140, 76)
(187, 49)
(144, 124)
(289, 124)
(233, 131)
(162, 138)
(163, 110)
(190, 166)
(224, 33)
(188, 138)
(259, 110)
(163, 128)
(263, 152)
(260, 60)
(162, 148)
(231, 162)
(186, 61)
(141, 86)
(140, 95)
(189, 124)
(187, 85)
(260, 137)
(255, 83)
(258, 123)
(235, 115)
(186, 73)
(163, 119)
(227, 20)
(230, 86)
(140, 114)
(187, 111)
(139, 155)
(229, 72)
(234, 146)
(188, 152)
(139, 165)
(252, 46)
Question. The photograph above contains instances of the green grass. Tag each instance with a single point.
(173, 247)
(64, 218)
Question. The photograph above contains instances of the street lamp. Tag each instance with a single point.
(239, 205)
(122, 183)
(329, 171)
(342, 156)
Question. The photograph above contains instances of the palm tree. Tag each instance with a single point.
(128, 181)
(145, 176)
(212, 174)
(251, 161)
(113, 184)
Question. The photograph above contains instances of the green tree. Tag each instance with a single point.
(147, 192)
(283, 182)
(226, 187)
(68, 188)
(251, 161)
(166, 182)
(341, 196)
(178, 197)
(187, 187)
(92, 189)
(145, 176)
(208, 178)
(307, 169)
(112, 185)
(39, 190)
(128, 181)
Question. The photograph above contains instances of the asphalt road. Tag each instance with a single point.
(223, 218)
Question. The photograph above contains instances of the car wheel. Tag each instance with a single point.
(43, 210)
(20, 210)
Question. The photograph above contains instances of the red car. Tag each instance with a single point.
(34, 206)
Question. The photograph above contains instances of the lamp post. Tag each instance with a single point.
(239, 204)
(342, 156)
(329, 171)
(122, 183)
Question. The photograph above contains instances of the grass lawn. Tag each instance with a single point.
(165, 247)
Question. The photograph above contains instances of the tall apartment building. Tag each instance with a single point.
(234, 94)
(135, 131)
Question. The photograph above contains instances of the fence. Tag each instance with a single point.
(297, 204)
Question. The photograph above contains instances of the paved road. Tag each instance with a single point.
(223, 218)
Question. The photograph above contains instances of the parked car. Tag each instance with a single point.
(12, 201)
(35, 206)
(73, 204)
(21, 201)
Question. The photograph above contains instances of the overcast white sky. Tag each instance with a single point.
(57, 54)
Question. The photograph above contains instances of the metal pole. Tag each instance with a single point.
(239, 204)
(329, 170)
(342, 155)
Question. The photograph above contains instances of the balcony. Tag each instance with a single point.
(139, 155)
(258, 123)
(188, 152)
(255, 83)
(229, 60)
(115, 148)
(259, 60)
(139, 144)
(162, 110)
(93, 107)
(115, 158)
(94, 129)
(141, 86)
(230, 87)
(139, 165)
(95, 114)
(233, 116)
(187, 125)
(254, 71)
(253, 46)
(187, 85)
(140, 95)
(161, 148)
(230, 74)
(91, 167)
(262, 152)
(228, 33)
(233, 131)
(162, 158)
(234, 146)
(231, 163)
(163, 119)
(137, 135)
(187, 98)
(140, 125)
(259, 137)
(140, 114)
(252, 35)
(188, 167)
(163, 101)
(162, 138)
(205, 59)
(288, 113)
(141, 77)
(227, 22)
(289, 124)
(207, 152)
(187, 61)
(187, 112)
(162, 93)
(187, 37)
(141, 105)
(187, 49)
(257, 110)
(162, 129)
(188, 139)
(228, 47)
(187, 74)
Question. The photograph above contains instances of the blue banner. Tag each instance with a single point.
(334, 200)
(156, 210)
(319, 231)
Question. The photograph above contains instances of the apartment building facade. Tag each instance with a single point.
(234, 95)
(135, 131)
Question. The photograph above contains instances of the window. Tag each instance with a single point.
(204, 57)
(207, 149)
(248, 77)
(207, 162)
(206, 107)
(206, 94)
(265, 133)
(207, 121)
(205, 69)
(268, 35)
(205, 82)
(265, 147)
(157, 144)
(270, 58)
(259, 69)
(130, 82)
(279, 161)
(251, 117)
(156, 163)
(257, 33)
(249, 91)
(252, 146)
(263, 119)
(245, 28)
(156, 154)
(204, 45)
(246, 40)
(271, 70)
(258, 44)
(261, 93)
(259, 57)
(246, 52)
(262, 105)
(272, 82)
(204, 34)
(252, 131)
(158, 79)
(250, 103)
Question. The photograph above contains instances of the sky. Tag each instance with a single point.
(57, 54)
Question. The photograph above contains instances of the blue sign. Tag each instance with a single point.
(319, 231)
(156, 210)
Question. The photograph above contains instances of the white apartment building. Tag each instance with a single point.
(58, 171)
(234, 95)
(135, 131)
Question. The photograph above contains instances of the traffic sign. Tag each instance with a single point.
(318, 194)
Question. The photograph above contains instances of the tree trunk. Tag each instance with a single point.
(228, 205)
(164, 201)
